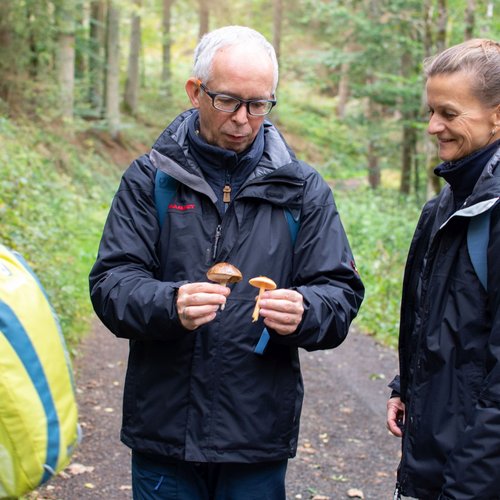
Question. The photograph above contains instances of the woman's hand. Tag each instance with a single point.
(395, 416)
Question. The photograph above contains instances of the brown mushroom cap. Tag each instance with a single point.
(263, 282)
(223, 272)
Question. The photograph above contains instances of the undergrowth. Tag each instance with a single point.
(57, 182)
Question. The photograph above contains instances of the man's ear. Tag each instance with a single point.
(193, 91)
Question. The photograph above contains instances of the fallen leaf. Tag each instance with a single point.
(90, 486)
(125, 487)
(340, 478)
(76, 468)
(355, 493)
(344, 409)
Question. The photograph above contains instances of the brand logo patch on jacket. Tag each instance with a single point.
(181, 208)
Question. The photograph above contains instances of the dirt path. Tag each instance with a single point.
(343, 443)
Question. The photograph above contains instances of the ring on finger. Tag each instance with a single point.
(184, 315)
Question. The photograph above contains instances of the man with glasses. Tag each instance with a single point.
(212, 399)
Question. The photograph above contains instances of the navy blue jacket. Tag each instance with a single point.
(450, 352)
(205, 395)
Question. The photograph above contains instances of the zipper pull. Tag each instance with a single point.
(218, 232)
(226, 198)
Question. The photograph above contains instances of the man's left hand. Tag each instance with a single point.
(282, 310)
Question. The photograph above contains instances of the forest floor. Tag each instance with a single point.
(344, 448)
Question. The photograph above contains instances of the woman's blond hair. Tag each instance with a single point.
(478, 57)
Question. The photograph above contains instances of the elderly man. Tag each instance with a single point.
(212, 399)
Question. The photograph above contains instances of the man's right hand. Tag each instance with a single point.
(395, 416)
(197, 303)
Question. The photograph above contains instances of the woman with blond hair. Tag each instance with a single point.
(445, 403)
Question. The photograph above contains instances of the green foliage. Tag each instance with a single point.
(380, 226)
(54, 197)
(317, 134)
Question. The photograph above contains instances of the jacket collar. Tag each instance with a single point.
(463, 174)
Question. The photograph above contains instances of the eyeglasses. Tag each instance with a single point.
(228, 104)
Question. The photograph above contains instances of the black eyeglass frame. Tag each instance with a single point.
(246, 102)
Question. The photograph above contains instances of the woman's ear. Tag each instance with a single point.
(193, 91)
(497, 116)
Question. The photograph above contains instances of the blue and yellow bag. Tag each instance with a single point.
(38, 412)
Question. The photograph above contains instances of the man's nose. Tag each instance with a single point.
(241, 114)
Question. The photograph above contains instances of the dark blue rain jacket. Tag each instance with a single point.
(205, 395)
(450, 352)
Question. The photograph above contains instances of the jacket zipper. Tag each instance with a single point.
(218, 233)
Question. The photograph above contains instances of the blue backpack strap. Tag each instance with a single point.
(293, 227)
(165, 188)
(478, 236)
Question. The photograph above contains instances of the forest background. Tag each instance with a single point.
(87, 85)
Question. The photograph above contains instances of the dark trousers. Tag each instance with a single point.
(152, 480)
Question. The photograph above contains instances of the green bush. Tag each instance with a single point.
(52, 208)
(380, 226)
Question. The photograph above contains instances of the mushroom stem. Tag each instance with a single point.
(223, 283)
(263, 284)
(255, 315)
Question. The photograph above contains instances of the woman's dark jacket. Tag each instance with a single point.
(450, 352)
(205, 395)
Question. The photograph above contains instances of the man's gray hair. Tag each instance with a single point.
(220, 38)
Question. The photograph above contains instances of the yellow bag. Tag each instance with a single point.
(38, 412)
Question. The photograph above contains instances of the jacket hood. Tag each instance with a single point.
(171, 154)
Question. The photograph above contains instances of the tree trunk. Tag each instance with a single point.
(97, 75)
(442, 22)
(113, 70)
(7, 64)
(489, 17)
(430, 149)
(470, 19)
(373, 160)
(66, 59)
(408, 132)
(166, 71)
(132, 83)
(277, 24)
(344, 90)
(204, 17)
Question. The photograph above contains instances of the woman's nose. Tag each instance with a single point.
(435, 125)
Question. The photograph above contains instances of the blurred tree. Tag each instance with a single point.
(204, 17)
(469, 19)
(132, 82)
(65, 18)
(97, 50)
(112, 96)
(166, 72)
(277, 25)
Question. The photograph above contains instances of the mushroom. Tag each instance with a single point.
(224, 273)
(263, 284)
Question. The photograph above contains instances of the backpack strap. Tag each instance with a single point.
(165, 188)
(478, 236)
(293, 226)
